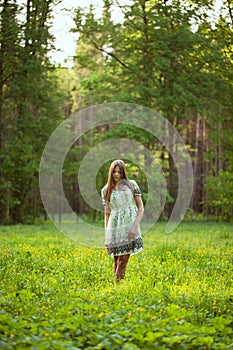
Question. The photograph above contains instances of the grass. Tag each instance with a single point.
(57, 294)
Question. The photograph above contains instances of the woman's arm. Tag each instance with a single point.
(107, 214)
(139, 204)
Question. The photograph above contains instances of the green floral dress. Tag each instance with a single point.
(121, 219)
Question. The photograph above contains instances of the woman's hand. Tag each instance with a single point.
(134, 228)
(131, 235)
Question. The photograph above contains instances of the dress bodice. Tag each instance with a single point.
(121, 198)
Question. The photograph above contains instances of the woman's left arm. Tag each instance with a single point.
(139, 204)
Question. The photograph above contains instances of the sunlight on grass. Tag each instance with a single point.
(58, 294)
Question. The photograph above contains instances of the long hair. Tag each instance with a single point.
(111, 183)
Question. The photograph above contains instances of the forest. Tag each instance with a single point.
(173, 57)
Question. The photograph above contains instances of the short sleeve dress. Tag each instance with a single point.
(122, 216)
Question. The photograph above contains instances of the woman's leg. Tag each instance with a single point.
(115, 264)
(121, 267)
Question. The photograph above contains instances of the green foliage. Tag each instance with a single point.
(177, 293)
(31, 106)
(173, 58)
(220, 194)
(169, 56)
(156, 55)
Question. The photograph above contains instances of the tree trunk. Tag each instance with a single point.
(4, 193)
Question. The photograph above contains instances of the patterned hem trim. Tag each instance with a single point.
(126, 248)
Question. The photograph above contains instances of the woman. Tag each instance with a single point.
(123, 213)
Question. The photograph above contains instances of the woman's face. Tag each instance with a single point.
(116, 174)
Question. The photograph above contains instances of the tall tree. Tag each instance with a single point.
(9, 51)
(166, 56)
(29, 110)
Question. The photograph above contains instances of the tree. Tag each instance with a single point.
(29, 110)
(167, 57)
(9, 49)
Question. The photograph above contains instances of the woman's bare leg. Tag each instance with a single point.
(121, 267)
(115, 264)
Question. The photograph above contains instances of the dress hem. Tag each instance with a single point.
(126, 253)
(132, 247)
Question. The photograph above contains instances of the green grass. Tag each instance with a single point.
(57, 294)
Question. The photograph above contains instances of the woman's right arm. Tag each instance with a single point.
(107, 214)
(106, 206)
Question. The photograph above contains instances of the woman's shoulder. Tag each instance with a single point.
(104, 189)
(132, 182)
(136, 188)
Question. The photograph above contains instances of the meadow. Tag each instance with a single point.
(58, 294)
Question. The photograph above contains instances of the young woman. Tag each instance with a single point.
(123, 213)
